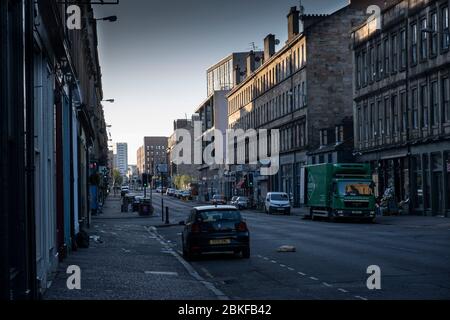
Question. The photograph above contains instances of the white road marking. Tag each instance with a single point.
(291, 269)
(208, 274)
(265, 258)
(342, 290)
(327, 285)
(273, 261)
(190, 269)
(301, 273)
(361, 298)
(313, 278)
(162, 273)
(282, 265)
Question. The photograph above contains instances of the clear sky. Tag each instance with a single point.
(154, 58)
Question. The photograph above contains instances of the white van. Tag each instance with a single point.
(277, 202)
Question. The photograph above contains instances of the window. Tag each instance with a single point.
(423, 39)
(434, 34)
(394, 48)
(372, 64)
(386, 57)
(358, 70)
(414, 43)
(364, 68)
(379, 64)
(323, 137)
(403, 49)
(404, 112)
(446, 98)
(339, 134)
(424, 105)
(372, 121)
(395, 113)
(445, 31)
(360, 125)
(380, 118)
(434, 103)
(366, 123)
(387, 117)
(415, 108)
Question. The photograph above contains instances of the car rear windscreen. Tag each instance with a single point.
(219, 215)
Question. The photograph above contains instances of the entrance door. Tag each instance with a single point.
(437, 194)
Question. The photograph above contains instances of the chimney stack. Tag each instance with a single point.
(293, 23)
(269, 46)
(250, 63)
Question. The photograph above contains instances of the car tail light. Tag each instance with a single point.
(241, 226)
(195, 228)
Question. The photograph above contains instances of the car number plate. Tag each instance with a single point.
(220, 241)
(357, 212)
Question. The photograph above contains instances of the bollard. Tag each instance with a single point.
(167, 215)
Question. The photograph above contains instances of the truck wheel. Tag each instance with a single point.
(331, 216)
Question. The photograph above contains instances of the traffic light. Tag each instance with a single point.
(145, 180)
(250, 180)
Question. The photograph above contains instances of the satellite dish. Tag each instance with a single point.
(277, 42)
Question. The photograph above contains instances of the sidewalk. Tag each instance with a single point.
(403, 220)
(127, 261)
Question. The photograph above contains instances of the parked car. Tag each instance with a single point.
(185, 195)
(215, 229)
(218, 199)
(233, 200)
(124, 190)
(277, 202)
(170, 192)
(178, 194)
(242, 203)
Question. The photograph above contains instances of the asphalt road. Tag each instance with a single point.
(330, 261)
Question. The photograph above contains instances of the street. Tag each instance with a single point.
(330, 261)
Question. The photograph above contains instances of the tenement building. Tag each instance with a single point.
(401, 102)
(305, 91)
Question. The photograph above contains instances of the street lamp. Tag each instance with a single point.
(110, 19)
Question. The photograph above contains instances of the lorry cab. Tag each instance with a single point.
(353, 198)
(340, 190)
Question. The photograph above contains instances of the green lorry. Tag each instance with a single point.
(339, 191)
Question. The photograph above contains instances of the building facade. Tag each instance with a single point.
(152, 155)
(305, 91)
(53, 135)
(121, 154)
(184, 169)
(402, 102)
(221, 78)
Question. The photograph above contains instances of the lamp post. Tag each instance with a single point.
(109, 19)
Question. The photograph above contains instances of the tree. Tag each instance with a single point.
(117, 178)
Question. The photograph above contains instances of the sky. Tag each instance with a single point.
(154, 58)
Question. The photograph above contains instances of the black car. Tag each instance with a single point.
(215, 229)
